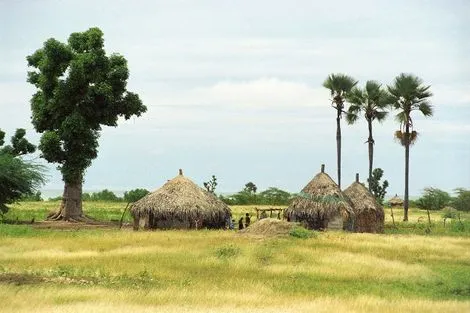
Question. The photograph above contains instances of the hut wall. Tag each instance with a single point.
(336, 222)
(369, 222)
(172, 223)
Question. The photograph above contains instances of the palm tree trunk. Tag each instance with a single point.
(407, 171)
(338, 145)
(371, 152)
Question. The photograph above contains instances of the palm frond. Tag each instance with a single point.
(425, 108)
(351, 118)
(339, 84)
(401, 117)
(380, 115)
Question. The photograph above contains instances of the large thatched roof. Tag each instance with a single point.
(320, 198)
(361, 198)
(396, 200)
(369, 213)
(182, 199)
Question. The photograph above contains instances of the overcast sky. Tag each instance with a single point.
(234, 88)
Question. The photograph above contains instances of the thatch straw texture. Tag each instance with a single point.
(395, 201)
(369, 214)
(180, 203)
(319, 203)
(268, 227)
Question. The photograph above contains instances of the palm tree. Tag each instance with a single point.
(339, 85)
(408, 94)
(372, 101)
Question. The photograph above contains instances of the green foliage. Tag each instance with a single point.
(79, 89)
(270, 196)
(379, 191)
(462, 201)
(135, 195)
(449, 213)
(372, 101)
(211, 184)
(241, 198)
(274, 196)
(300, 232)
(227, 251)
(433, 199)
(339, 85)
(103, 195)
(18, 177)
(408, 94)
(250, 187)
(19, 144)
(33, 196)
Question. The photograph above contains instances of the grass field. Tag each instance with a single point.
(407, 269)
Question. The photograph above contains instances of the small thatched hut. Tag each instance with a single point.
(369, 213)
(180, 203)
(396, 201)
(321, 205)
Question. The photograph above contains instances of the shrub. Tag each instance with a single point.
(300, 232)
(449, 213)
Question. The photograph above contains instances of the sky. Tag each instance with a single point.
(234, 88)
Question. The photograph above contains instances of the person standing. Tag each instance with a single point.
(247, 220)
(240, 223)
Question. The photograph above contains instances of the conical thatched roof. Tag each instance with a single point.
(361, 198)
(369, 213)
(181, 199)
(395, 201)
(321, 199)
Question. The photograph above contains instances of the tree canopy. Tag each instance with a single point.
(80, 89)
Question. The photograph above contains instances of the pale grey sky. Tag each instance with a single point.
(233, 88)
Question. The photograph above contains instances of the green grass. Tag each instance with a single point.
(111, 270)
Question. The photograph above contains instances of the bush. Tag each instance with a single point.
(300, 232)
(449, 213)
(32, 196)
(433, 199)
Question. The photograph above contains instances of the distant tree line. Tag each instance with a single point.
(107, 195)
(437, 199)
(249, 195)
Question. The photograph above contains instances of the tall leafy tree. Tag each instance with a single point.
(339, 85)
(79, 89)
(372, 101)
(408, 94)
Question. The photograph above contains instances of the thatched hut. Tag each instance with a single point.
(180, 204)
(396, 201)
(321, 205)
(369, 214)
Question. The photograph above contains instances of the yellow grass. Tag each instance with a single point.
(266, 275)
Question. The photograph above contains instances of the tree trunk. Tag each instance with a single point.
(71, 205)
(371, 152)
(407, 171)
(338, 146)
